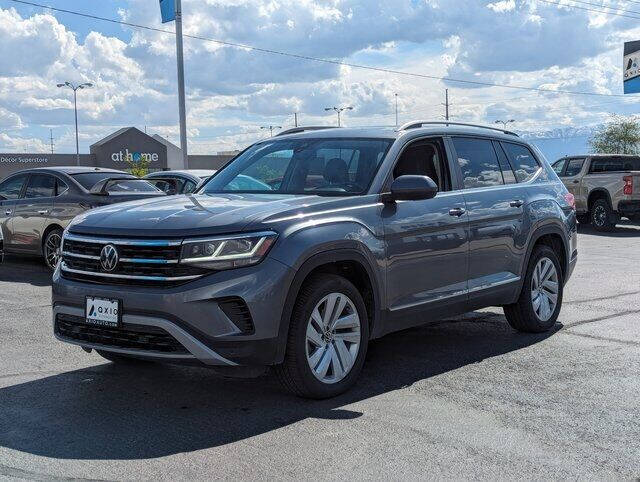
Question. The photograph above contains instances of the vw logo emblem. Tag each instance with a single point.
(109, 257)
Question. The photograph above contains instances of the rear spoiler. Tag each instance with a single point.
(100, 187)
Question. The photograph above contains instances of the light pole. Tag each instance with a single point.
(396, 110)
(339, 110)
(271, 128)
(504, 123)
(75, 107)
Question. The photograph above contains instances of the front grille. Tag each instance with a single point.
(135, 337)
(143, 262)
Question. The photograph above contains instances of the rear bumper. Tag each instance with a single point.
(189, 314)
(629, 208)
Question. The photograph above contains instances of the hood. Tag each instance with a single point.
(191, 215)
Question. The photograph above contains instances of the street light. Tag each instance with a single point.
(504, 123)
(271, 128)
(75, 107)
(339, 110)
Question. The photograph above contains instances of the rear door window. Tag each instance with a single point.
(40, 185)
(478, 162)
(574, 167)
(524, 163)
(12, 187)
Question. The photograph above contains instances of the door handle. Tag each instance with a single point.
(575, 181)
(457, 212)
(516, 203)
(43, 212)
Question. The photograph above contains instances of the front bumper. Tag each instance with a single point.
(189, 313)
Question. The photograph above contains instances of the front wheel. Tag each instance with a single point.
(328, 338)
(539, 304)
(51, 248)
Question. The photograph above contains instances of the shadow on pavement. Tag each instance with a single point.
(24, 269)
(622, 230)
(148, 411)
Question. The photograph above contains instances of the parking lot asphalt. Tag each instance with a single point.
(465, 397)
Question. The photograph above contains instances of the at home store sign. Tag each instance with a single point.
(134, 156)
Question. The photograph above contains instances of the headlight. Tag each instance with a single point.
(229, 251)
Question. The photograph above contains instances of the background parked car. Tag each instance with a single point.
(179, 182)
(37, 204)
(606, 187)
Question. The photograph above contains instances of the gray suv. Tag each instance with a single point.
(345, 235)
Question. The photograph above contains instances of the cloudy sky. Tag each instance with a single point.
(232, 92)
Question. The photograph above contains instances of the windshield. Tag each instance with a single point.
(303, 166)
(89, 179)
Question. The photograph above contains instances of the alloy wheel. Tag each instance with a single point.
(599, 216)
(544, 289)
(333, 338)
(52, 250)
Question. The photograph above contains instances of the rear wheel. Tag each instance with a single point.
(328, 338)
(539, 304)
(602, 216)
(51, 248)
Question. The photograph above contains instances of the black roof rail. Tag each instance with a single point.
(416, 124)
(296, 130)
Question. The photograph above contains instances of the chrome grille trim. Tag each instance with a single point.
(78, 255)
(122, 242)
(64, 267)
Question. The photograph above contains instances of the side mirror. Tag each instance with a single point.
(413, 188)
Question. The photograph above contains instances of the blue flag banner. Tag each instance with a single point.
(168, 10)
(631, 67)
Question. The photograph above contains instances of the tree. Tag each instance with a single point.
(139, 168)
(620, 136)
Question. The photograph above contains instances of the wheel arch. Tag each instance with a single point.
(553, 236)
(46, 232)
(350, 263)
(598, 193)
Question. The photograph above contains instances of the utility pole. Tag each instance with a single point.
(396, 95)
(51, 138)
(446, 104)
(181, 96)
(271, 129)
(295, 119)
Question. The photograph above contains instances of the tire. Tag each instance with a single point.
(584, 218)
(121, 359)
(602, 216)
(51, 248)
(326, 352)
(527, 315)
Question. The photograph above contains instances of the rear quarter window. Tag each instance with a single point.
(525, 165)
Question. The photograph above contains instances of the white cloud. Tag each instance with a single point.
(231, 91)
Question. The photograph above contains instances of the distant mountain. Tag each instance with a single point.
(560, 142)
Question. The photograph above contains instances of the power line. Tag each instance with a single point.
(580, 8)
(605, 6)
(328, 61)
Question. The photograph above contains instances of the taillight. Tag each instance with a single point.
(571, 200)
(628, 185)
